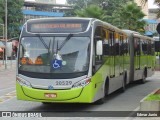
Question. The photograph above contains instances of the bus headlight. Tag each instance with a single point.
(23, 82)
(82, 83)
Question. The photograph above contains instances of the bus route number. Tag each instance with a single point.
(63, 82)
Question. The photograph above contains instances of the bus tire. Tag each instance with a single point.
(106, 89)
(46, 103)
(123, 88)
(143, 80)
(100, 101)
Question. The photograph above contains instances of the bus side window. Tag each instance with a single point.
(105, 43)
(136, 46)
(125, 45)
(138, 50)
(111, 44)
(157, 48)
(144, 47)
(153, 48)
(117, 44)
(149, 48)
(121, 45)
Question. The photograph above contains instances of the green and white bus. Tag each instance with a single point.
(78, 60)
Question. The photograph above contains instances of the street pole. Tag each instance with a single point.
(6, 34)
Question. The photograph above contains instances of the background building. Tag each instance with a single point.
(43, 8)
(151, 17)
(46, 1)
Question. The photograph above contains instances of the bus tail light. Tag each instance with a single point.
(82, 83)
(23, 82)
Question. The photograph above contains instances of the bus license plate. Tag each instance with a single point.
(50, 95)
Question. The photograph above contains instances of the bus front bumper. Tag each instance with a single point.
(76, 95)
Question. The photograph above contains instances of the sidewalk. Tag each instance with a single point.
(11, 65)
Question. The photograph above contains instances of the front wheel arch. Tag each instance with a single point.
(106, 92)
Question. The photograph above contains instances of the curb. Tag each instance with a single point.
(150, 105)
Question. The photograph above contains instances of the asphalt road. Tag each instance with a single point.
(127, 101)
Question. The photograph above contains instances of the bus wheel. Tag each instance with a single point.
(143, 80)
(100, 101)
(123, 88)
(106, 89)
(46, 103)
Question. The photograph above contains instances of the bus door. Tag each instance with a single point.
(112, 54)
(137, 53)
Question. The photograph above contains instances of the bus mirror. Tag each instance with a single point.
(9, 49)
(99, 47)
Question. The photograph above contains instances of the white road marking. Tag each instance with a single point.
(7, 96)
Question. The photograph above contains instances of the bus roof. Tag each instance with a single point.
(137, 34)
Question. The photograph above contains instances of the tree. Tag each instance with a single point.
(143, 2)
(92, 11)
(129, 17)
(14, 16)
(108, 5)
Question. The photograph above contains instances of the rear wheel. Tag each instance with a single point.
(143, 80)
(123, 88)
(47, 103)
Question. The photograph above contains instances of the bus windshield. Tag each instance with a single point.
(56, 57)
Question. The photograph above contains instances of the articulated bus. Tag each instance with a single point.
(79, 60)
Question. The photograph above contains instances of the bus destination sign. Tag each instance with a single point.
(44, 26)
(57, 26)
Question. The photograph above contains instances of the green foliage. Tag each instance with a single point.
(124, 14)
(108, 5)
(92, 11)
(129, 17)
(14, 16)
(153, 97)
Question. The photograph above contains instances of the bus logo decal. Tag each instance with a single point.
(50, 87)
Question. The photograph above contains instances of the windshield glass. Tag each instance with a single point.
(56, 57)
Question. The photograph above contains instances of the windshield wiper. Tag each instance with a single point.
(57, 55)
(42, 40)
(64, 42)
